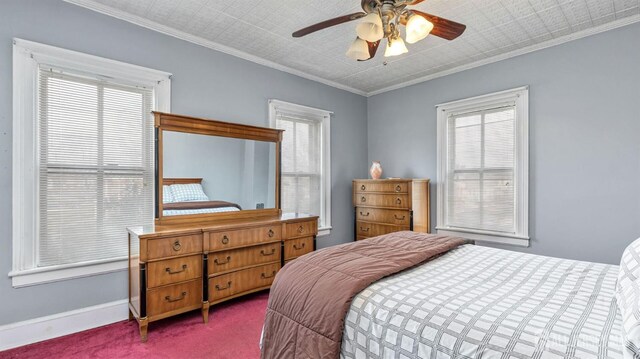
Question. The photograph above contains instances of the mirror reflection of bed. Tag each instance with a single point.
(183, 196)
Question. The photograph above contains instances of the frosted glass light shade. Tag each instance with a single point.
(370, 28)
(418, 28)
(395, 47)
(359, 50)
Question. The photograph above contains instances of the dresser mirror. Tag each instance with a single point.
(210, 169)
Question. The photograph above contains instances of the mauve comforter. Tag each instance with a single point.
(311, 295)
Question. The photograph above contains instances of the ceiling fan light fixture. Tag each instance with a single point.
(370, 28)
(395, 47)
(359, 50)
(417, 28)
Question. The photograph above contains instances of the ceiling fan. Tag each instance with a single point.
(382, 19)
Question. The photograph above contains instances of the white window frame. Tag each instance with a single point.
(27, 55)
(521, 170)
(325, 202)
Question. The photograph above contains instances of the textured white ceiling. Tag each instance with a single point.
(260, 30)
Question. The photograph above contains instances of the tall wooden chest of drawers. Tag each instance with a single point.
(390, 205)
(175, 269)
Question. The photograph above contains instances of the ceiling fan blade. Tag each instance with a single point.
(373, 47)
(328, 23)
(442, 27)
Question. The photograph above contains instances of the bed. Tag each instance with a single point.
(473, 301)
(185, 196)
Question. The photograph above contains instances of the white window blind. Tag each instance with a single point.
(95, 166)
(481, 154)
(301, 170)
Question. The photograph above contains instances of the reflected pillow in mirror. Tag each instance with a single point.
(167, 195)
(188, 192)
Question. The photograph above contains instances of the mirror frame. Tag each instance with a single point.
(186, 124)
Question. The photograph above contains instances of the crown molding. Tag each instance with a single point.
(525, 50)
(152, 25)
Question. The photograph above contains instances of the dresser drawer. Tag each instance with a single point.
(301, 229)
(384, 187)
(184, 296)
(373, 229)
(391, 216)
(225, 261)
(228, 285)
(174, 270)
(296, 247)
(382, 200)
(174, 246)
(244, 237)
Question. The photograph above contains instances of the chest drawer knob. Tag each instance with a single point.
(363, 187)
(300, 229)
(399, 218)
(271, 233)
(273, 251)
(217, 262)
(398, 188)
(177, 246)
(184, 268)
(171, 300)
(265, 276)
(363, 199)
(219, 288)
(225, 239)
(295, 246)
(398, 200)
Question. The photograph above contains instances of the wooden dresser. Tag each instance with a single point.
(390, 205)
(179, 268)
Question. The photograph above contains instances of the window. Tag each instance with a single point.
(83, 160)
(483, 167)
(305, 168)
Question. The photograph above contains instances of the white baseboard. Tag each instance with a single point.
(52, 326)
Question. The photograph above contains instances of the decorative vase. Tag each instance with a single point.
(376, 170)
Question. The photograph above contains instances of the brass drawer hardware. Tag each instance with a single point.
(171, 300)
(364, 215)
(264, 276)
(398, 200)
(225, 239)
(298, 248)
(398, 218)
(363, 187)
(168, 270)
(398, 188)
(177, 246)
(273, 251)
(363, 199)
(218, 287)
(271, 233)
(364, 229)
(217, 262)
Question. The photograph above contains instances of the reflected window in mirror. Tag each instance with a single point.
(306, 155)
(210, 174)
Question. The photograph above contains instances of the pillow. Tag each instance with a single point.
(167, 195)
(188, 192)
(628, 298)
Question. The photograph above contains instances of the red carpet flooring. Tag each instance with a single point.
(233, 332)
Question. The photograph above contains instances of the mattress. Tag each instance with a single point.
(178, 212)
(484, 302)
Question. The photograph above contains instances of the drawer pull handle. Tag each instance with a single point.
(364, 215)
(398, 200)
(399, 218)
(363, 187)
(273, 251)
(264, 276)
(271, 233)
(398, 188)
(184, 268)
(298, 248)
(225, 239)
(219, 288)
(364, 229)
(218, 263)
(177, 246)
(363, 199)
(300, 229)
(171, 300)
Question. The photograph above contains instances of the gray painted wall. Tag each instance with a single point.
(584, 134)
(205, 83)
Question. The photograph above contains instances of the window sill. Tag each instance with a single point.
(324, 231)
(29, 277)
(485, 236)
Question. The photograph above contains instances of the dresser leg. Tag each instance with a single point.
(143, 324)
(205, 312)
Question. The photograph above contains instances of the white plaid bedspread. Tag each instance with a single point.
(480, 302)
